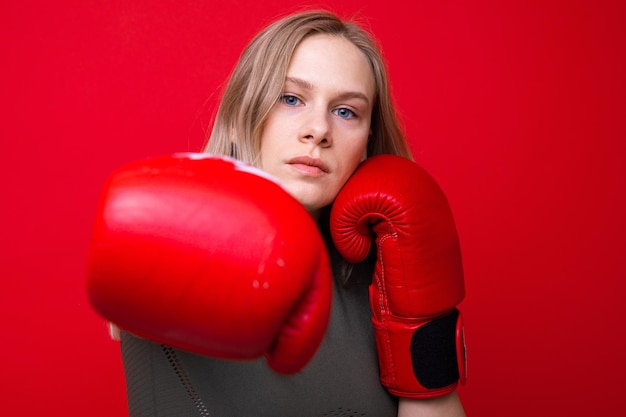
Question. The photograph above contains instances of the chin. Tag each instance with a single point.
(313, 207)
(310, 206)
(309, 197)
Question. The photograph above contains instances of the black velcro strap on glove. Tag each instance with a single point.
(433, 352)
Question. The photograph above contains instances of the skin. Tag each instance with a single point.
(445, 406)
(316, 134)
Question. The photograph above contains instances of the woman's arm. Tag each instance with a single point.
(448, 406)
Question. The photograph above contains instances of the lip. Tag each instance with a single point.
(309, 166)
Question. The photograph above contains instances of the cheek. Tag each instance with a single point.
(355, 150)
(268, 143)
(352, 158)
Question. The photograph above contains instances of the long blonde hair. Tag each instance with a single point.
(258, 79)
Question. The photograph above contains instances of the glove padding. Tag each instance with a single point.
(418, 276)
(209, 255)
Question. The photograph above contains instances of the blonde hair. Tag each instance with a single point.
(258, 79)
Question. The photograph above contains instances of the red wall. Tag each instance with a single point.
(516, 107)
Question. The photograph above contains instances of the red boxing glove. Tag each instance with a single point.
(418, 277)
(208, 255)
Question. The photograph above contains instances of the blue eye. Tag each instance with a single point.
(290, 100)
(345, 113)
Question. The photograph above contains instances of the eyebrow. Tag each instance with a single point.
(343, 95)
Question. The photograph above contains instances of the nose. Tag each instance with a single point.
(317, 128)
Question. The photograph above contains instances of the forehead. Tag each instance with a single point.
(328, 61)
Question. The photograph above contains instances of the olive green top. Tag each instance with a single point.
(341, 380)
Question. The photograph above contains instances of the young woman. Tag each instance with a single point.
(307, 102)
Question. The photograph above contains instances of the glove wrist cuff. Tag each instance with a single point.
(421, 359)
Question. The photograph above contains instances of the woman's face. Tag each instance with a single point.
(316, 134)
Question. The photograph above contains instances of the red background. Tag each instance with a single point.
(516, 107)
